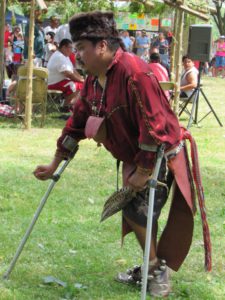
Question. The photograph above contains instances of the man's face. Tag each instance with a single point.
(7, 27)
(89, 56)
(67, 50)
(188, 63)
(161, 36)
(54, 22)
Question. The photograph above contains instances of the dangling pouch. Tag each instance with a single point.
(95, 129)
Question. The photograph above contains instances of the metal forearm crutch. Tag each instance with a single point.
(152, 187)
(70, 144)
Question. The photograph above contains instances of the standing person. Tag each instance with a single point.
(189, 77)
(38, 40)
(18, 46)
(142, 43)
(162, 44)
(7, 36)
(8, 51)
(220, 56)
(126, 40)
(62, 32)
(53, 26)
(132, 38)
(137, 34)
(123, 107)
(15, 33)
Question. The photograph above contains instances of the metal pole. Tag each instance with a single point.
(152, 187)
(55, 178)
(2, 30)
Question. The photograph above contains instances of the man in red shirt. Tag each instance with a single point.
(123, 107)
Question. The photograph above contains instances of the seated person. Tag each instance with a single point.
(159, 71)
(166, 66)
(11, 89)
(189, 77)
(62, 75)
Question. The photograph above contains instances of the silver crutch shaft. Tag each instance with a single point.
(152, 187)
(55, 178)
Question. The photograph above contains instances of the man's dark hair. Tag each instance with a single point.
(186, 56)
(155, 57)
(51, 34)
(65, 42)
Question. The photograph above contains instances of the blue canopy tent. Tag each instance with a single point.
(19, 18)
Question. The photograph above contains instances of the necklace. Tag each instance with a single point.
(95, 110)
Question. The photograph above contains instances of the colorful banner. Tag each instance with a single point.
(128, 21)
(166, 22)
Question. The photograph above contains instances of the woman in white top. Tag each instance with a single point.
(189, 77)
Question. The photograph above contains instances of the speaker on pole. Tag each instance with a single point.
(200, 42)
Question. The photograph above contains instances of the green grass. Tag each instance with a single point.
(69, 243)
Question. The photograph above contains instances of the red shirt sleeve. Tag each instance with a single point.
(75, 124)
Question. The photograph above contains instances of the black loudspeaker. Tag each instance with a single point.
(200, 42)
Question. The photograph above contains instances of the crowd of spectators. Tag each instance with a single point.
(47, 41)
(151, 47)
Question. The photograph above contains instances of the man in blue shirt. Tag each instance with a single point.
(38, 42)
(126, 40)
(142, 43)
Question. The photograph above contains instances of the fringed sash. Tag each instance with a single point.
(201, 200)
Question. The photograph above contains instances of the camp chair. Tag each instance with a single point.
(55, 100)
(184, 102)
(168, 86)
(39, 96)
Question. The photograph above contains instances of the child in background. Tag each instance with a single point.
(145, 56)
(50, 47)
(18, 47)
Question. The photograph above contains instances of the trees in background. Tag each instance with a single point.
(219, 16)
(66, 8)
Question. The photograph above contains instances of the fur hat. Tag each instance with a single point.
(93, 25)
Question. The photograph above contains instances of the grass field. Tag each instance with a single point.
(68, 241)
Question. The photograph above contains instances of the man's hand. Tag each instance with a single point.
(138, 180)
(44, 172)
